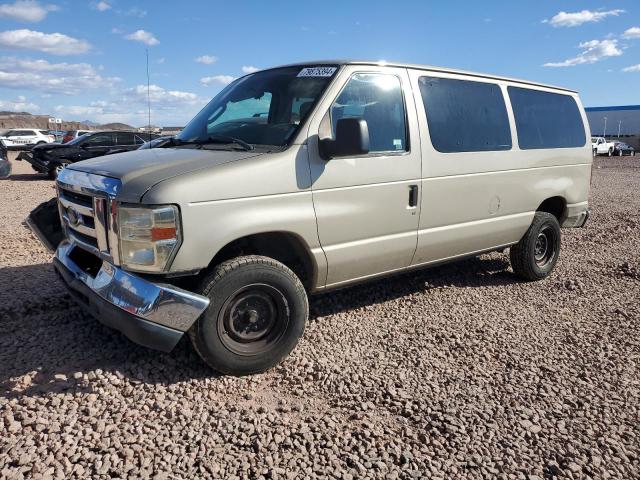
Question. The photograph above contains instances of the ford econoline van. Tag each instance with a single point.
(305, 178)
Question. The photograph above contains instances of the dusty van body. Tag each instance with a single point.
(304, 178)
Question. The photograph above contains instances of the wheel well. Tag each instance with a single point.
(555, 206)
(284, 247)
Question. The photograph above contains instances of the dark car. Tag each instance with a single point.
(5, 166)
(53, 157)
(621, 148)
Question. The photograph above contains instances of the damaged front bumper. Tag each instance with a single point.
(38, 164)
(151, 314)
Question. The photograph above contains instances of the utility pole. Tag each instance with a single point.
(605, 128)
(619, 126)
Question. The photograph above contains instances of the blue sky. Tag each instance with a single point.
(86, 59)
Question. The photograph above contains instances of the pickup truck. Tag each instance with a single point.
(601, 146)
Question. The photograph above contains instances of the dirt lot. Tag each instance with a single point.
(457, 372)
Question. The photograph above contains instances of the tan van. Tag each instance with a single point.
(309, 177)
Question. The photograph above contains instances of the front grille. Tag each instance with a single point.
(84, 219)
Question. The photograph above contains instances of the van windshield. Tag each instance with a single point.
(264, 108)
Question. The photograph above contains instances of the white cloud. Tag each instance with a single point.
(575, 19)
(130, 106)
(594, 51)
(143, 36)
(632, 68)
(207, 59)
(102, 6)
(21, 104)
(161, 96)
(117, 31)
(134, 12)
(633, 32)
(249, 69)
(26, 10)
(217, 79)
(52, 43)
(62, 78)
(161, 60)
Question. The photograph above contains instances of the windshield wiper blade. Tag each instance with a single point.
(227, 139)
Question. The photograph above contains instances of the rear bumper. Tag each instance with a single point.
(150, 314)
(576, 215)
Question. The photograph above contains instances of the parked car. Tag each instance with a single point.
(621, 148)
(73, 134)
(52, 158)
(360, 170)
(602, 146)
(156, 142)
(25, 138)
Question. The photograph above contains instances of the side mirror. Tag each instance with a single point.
(352, 138)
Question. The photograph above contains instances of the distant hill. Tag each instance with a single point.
(41, 122)
(90, 123)
(116, 126)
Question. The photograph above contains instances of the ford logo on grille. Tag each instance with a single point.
(73, 217)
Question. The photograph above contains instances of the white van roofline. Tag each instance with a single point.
(430, 68)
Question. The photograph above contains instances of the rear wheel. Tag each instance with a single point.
(536, 254)
(257, 314)
(610, 153)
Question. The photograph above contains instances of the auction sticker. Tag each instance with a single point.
(317, 71)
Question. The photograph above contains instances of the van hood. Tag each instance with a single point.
(140, 170)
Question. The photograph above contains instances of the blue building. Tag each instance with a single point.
(611, 122)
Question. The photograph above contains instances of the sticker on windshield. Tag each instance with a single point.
(317, 72)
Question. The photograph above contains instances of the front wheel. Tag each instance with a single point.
(257, 314)
(536, 254)
(55, 170)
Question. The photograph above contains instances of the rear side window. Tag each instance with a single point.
(125, 138)
(546, 120)
(376, 98)
(465, 116)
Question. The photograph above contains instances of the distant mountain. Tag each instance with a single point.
(90, 123)
(116, 126)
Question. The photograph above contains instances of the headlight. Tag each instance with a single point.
(148, 236)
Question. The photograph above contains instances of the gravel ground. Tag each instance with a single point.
(456, 372)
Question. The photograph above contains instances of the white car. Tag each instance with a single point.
(602, 146)
(25, 138)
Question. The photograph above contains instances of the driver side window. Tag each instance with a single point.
(254, 110)
(376, 98)
(100, 140)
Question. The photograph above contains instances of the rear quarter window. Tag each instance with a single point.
(465, 116)
(546, 119)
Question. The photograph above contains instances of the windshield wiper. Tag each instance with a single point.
(226, 139)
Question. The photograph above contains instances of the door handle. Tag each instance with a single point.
(413, 196)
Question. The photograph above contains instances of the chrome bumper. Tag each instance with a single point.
(130, 303)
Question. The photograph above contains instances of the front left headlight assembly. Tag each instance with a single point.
(148, 237)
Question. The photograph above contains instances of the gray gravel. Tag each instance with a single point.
(457, 372)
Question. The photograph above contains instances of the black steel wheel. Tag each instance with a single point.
(257, 314)
(536, 254)
(253, 318)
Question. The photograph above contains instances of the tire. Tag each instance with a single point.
(536, 254)
(258, 312)
(53, 173)
(619, 153)
(610, 153)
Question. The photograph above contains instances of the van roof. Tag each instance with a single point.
(426, 68)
